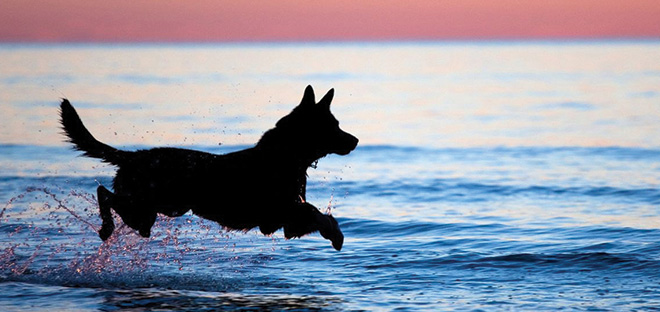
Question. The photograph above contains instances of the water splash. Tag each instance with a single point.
(328, 208)
(49, 235)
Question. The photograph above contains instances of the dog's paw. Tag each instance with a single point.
(145, 232)
(106, 230)
(330, 230)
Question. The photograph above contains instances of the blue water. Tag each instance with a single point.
(497, 176)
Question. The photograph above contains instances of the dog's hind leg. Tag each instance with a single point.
(305, 219)
(135, 214)
(105, 202)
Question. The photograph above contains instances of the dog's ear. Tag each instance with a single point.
(308, 97)
(327, 98)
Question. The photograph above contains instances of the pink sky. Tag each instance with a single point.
(290, 20)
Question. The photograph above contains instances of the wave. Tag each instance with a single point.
(458, 190)
(458, 246)
(547, 263)
(183, 266)
(372, 246)
(620, 152)
(405, 229)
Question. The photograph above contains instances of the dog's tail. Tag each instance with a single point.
(83, 140)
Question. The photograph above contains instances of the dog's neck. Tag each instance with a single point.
(286, 148)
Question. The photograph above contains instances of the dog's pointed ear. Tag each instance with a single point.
(327, 98)
(308, 97)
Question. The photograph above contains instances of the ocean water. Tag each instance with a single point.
(490, 176)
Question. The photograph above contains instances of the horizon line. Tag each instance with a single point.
(348, 41)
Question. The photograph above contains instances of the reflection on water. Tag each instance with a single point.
(49, 298)
(581, 94)
(154, 299)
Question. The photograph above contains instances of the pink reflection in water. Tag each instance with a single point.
(463, 94)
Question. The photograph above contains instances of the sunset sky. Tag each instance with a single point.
(296, 20)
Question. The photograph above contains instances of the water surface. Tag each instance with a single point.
(490, 176)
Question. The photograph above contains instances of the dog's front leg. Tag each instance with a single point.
(136, 214)
(305, 219)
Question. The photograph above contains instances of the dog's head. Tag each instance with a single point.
(314, 128)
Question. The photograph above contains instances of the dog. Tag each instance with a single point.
(262, 186)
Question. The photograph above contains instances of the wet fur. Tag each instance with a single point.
(263, 186)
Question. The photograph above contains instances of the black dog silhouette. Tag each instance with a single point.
(263, 186)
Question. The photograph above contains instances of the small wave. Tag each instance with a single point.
(628, 153)
(461, 191)
(427, 245)
(383, 229)
(366, 228)
(587, 261)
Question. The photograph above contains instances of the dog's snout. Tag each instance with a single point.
(346, 143)
(352, 141)
(355, 141)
